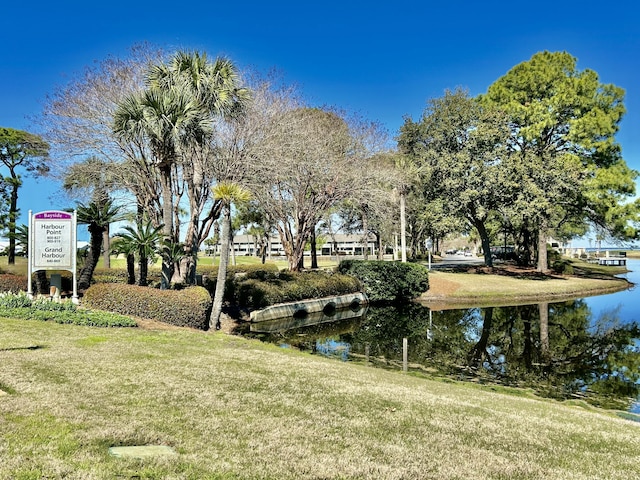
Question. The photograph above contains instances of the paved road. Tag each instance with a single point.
(456, 260)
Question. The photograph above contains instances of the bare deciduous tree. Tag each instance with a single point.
(311, 160)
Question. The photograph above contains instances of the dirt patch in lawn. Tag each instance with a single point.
(440, 287)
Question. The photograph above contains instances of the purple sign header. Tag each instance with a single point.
(53, 216)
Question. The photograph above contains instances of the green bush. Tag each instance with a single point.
(18, 283)
(261, 290)
(563, 267)
(249, 269)
(557, 263)
(13, 283)
(190, 307)
(388, 282)
(110, 275)
(236, 274)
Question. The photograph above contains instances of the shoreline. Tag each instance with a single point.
(461, 290)
(438, 302)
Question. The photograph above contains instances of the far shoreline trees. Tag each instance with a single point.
(563, 125)
(547, 165)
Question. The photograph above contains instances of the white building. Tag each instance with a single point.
(344, 245)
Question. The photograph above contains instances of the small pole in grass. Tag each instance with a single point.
(405, 354)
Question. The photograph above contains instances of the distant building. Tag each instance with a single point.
(344, 245)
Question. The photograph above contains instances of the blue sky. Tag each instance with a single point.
(380, 59)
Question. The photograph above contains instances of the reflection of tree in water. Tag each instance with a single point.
(572, 357)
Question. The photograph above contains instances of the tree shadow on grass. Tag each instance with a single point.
(30, 347)
(512, 271)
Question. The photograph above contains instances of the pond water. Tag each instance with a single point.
(590, 348)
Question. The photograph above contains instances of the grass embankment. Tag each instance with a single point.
(508, 286)
(237, 408)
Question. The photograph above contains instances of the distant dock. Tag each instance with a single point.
(612, 261)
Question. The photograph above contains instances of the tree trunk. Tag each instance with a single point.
(543, 309)
(106, 246)
(542, 265)
(365, 228)
(194, 179)
(13, 216)
(131, 269)
(527, 350)
(232, 247)
(403, 229)
(480, 349)
(293, 248)
(167, 229)
(314, 253)
(42, 284)
(525, 247)
(265, 247)
(485, 241)
(218, 296)
(143, 266)
(86, 274)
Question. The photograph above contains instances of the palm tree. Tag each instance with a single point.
(142, 241)
(175, 252)
(165, 119)
(215, 85)
(98, 176)
(214, 88)
(227, 193)
(123, 246)
(98, 217)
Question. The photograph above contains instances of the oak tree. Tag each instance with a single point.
(460, 148)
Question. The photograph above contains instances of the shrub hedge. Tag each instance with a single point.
(18, 283)
(211, 272)
(190, 307)
(13, 283)
(388, 282)
(557, 263)
(236, 274)
(259, 289)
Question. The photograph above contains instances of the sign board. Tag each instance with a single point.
(52, 243)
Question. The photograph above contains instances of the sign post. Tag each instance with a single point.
(52, 245)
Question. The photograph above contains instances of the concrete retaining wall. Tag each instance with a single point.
(316, 318)
(304, 307)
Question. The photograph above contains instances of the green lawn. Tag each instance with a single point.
(203, 261)
(238, 409)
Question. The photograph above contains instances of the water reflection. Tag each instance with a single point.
(557, 350)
